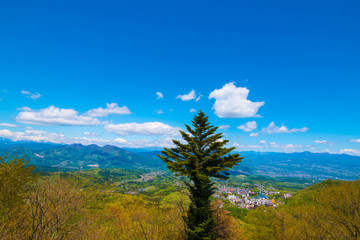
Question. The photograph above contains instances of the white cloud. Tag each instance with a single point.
(248, 127)
(90, 134)
(287, 147)
(44, 136)
(232, 102)
(198, 98)
(192, 110)
(325, 142)
(272, 128)
(159, 95)
(148, 128)
(254, 134)
(247, 147)
(23, 109)
(160, 142)
(293, 146)
(262, 142)
(32, 135)
(7, 125)
(120, 140)
(187, 97)
(224, 127)
(111, 108)
(55, 116)
(355, 140)
(159, 111)
(353, 152)
(311, 147)
(31, 95)
(60, 138)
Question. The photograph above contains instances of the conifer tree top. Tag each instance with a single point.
(202, 154)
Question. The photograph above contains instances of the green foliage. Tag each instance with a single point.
(238, 213)
(260, 224)
(203, 156)
(77, 156)
(328, 210)
(15, 177)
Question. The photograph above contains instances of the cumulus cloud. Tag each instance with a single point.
(254, 134)
(32, 135)
(232, 102)
(224, 127)
(187, 97)
(355, 140)
(272, 128)
(159, 95)
(55, 116)
(7, 125)
(148, 128)
(262, 142)
(248, 127)
(111, 108)
(60, 138)
(44, 136)
(192, 110)
(353, 152)
(31, 95)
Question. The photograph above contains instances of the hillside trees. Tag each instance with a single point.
(57, 208)
(334, 213)
(33, 207)
(203, 156)
(329, 210)
(15, 177)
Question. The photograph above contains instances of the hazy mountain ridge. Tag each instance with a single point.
(303, 164)
(76, 156)
(299, 164)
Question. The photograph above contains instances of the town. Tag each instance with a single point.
(249, 199)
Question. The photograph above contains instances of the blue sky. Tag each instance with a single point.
(285, 73)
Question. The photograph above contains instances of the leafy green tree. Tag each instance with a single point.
(203, 156)
(15, 176)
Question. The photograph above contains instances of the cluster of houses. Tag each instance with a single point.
(246, 198)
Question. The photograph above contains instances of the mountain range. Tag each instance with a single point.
(76, 156)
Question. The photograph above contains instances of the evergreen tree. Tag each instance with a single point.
(203, 156)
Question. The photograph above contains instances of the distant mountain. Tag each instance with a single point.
(5, 144)
(77, 156)
(302, 165)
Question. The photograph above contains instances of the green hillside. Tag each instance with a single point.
(77, 156)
